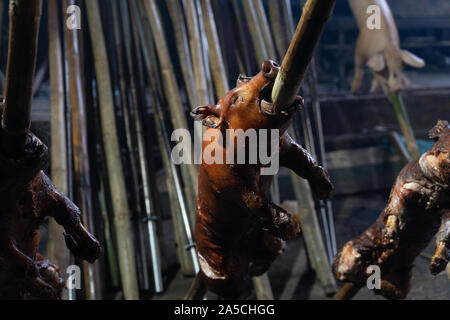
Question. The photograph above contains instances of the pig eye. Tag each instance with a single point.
(234, 99)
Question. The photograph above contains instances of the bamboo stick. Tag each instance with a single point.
(145, 175)
(130, 137)
(347, 292)
(197, 53)
(255, 30)
(312, 234)
(265, 29)
(315, 15)
(242, 48)
(278, 28)
(403, 120)
(180, 215)
(22, 50)
(189, 172)
(82, 190)
(115, 171)
(145, 114)
(216, 60)
(56, 248)
(205, 50)
(182, 45)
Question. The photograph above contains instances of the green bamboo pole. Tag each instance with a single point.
(314, 18)
(22, 50)
(403, 120)
(82, 190)
(255, 30)
(113, 161)
(182, 44)
(216, 60)
(56, 249)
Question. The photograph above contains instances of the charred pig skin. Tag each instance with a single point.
(418, 208)
(28, 196)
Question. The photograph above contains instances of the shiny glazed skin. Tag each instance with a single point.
(238, 231)
(418, 208)
(28, 196)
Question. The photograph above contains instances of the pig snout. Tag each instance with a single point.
(270, 69)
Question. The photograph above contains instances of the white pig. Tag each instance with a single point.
(380, 49)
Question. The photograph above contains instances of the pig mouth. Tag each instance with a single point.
(267, 107)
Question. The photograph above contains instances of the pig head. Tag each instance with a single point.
(239, 231)
(379, 49)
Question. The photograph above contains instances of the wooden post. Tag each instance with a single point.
(314, 18)
(56, 248)
(23, 40)
(122, 226)
(265, 29)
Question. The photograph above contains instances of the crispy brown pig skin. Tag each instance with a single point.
(238, 231)
(418, 208)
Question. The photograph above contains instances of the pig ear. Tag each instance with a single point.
(376, 62)
(206, 115)
(436, 132)
(412, 60)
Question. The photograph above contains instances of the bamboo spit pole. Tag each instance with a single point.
(325, 210)
(22, 50)
(178, 117)
(216, 60)
(255, 30)
(311, 230)
(182, 45)
(129, 137)
(115, 171)
(56, 248)
(83, 192)
(265, 29)
(145, 175)
(314, 18)
(403, 120)
(180, 215)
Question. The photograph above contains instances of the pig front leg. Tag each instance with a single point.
(441, 256)
(53, 204)
(297, 159)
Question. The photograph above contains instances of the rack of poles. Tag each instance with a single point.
(114, 79)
